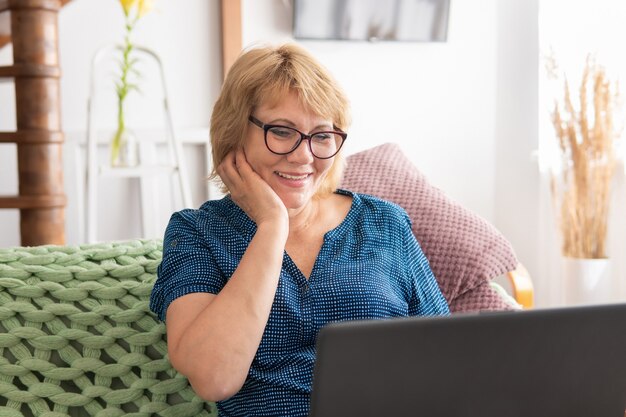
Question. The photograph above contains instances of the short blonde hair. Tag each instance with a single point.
(265, 75)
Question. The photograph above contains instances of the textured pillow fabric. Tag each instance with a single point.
(486, 296)
(463, 249)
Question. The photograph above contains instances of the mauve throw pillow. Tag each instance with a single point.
(464, 250)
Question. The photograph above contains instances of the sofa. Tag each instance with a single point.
(77, 337)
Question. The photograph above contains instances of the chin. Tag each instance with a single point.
(292, 201)
(293, 204)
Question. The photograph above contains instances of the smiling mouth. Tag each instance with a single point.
(291, 177)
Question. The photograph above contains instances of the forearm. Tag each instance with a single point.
(217, 347)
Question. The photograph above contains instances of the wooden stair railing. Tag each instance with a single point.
(5, 29)
(5, 23)
(35, 70)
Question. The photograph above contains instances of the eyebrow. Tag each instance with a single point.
(289, 123)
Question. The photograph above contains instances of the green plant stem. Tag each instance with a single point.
(123, 87)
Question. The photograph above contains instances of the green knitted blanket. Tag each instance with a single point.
(77, 337)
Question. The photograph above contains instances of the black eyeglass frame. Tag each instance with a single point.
(303, 136)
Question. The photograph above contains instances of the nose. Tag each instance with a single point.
(302, 154)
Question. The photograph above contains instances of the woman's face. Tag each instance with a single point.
(297, 176)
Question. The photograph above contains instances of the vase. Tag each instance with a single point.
(586, 281)
(124, 150)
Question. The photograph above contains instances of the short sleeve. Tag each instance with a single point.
(427, 299)
(188, 264)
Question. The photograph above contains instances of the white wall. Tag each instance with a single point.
(436, 99)
(517, 198)
(463, 110)
(186, 38)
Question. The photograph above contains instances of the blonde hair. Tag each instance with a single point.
(265, 75)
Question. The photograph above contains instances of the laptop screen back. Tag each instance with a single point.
(540, 363)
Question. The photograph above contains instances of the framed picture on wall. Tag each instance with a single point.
(371, 20)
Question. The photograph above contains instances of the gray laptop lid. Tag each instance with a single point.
(568, 362)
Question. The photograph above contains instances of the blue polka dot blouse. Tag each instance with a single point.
(369, 267)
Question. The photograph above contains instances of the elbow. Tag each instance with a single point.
(210, 379)
(212, 383)
(214, 389)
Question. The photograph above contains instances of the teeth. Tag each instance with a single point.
(292, 177)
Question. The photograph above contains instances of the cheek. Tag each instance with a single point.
(248, 148)
(253, 155)
(324, 167)
(327, 179)
(261, 162)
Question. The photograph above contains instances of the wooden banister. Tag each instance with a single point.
(5, 24)
(30, 70)
(31, 136)
(33, 201)
(35, 70)
(5, 21)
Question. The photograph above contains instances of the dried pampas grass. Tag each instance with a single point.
(582, 190)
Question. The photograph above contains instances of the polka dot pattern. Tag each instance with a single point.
(369, 267)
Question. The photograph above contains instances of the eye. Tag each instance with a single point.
(282, 132)
(323, 137)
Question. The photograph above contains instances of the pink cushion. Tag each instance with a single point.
(464, 250)
(480, 298)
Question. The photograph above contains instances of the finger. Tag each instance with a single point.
(230, 166)
(224, 177)
(228, 172)
(242, 164)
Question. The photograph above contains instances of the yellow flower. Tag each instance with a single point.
(127, 5)
(140, 6)
(144, 6)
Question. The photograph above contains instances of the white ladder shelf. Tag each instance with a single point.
(145, 171)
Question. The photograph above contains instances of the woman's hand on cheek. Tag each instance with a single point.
(250, 192)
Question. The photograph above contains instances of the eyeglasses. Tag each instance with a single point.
(283, 140)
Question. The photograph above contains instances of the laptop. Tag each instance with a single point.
(557, 362)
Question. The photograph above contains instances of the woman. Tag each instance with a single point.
(246, 282)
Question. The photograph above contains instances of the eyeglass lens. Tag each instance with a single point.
(282, 140)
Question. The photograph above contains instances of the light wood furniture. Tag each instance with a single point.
(231, 33)
(522, 286)
(35, 71)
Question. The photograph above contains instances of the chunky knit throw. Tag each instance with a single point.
(77, 337)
